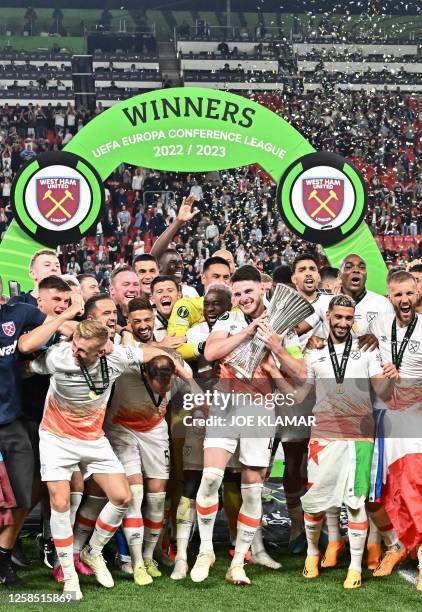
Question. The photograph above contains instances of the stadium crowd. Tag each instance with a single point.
(379, 132)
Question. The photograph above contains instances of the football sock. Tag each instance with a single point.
(357, 530)
(248, 520)
(153, 521)
(133, 525)
(374, 534)
(61, 530)
(75, 502)
(88, 512)
(186, 515)
(313, 526)
(105, 526)
(332, 517)
(257, 545)
(207, 505)
(386, 529)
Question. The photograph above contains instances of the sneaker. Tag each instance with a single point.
(236, 575)
(201, 569)
(152, 568)
(374, 555)
(180, 571)
(18, 556)
(297, 546)
(332, 553)
(71, 585)
(310, 569)
(389, 562)
(58, 574)
(264, 559)
(141, 576)
(353, 580)
(8, 575)
(98, 566)
(80, 567)
(124, 564)
(47, 550)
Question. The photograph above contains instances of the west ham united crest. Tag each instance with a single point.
(9, 328)
(322, 198)
(57, 198)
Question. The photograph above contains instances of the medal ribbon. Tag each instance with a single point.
(340, 370)
(398, 357)
(105, 378)
(151, 393)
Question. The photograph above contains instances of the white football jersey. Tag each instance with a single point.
(343, 414)
(69, 409)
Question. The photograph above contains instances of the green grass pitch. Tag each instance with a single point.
(284, 589)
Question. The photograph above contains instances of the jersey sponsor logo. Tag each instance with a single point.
(183, 312)
(414, 346)
(224, 316)
(9, 328)
(370, 316)
(58, 198)
(355, 355)
(9, 349)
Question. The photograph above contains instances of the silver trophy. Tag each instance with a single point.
(285, 310)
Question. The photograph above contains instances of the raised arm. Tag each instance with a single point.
(184, 215)
(37, 337)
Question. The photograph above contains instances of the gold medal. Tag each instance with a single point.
(92, 395)
(340, 389)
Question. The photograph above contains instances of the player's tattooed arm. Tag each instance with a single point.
(368, 342)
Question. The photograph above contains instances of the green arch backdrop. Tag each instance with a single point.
(190, 130)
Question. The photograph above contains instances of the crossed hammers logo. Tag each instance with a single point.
(58, 205)
(323, 203)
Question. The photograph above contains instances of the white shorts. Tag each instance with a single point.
(60, 457)
(142, 452)
(239, 427)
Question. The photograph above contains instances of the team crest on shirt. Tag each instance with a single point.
(9, 328)
(414, 346)
(224, 316)
(370, 316)
(183, 312)
(355, 355)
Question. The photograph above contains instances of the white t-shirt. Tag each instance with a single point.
(69, 411)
